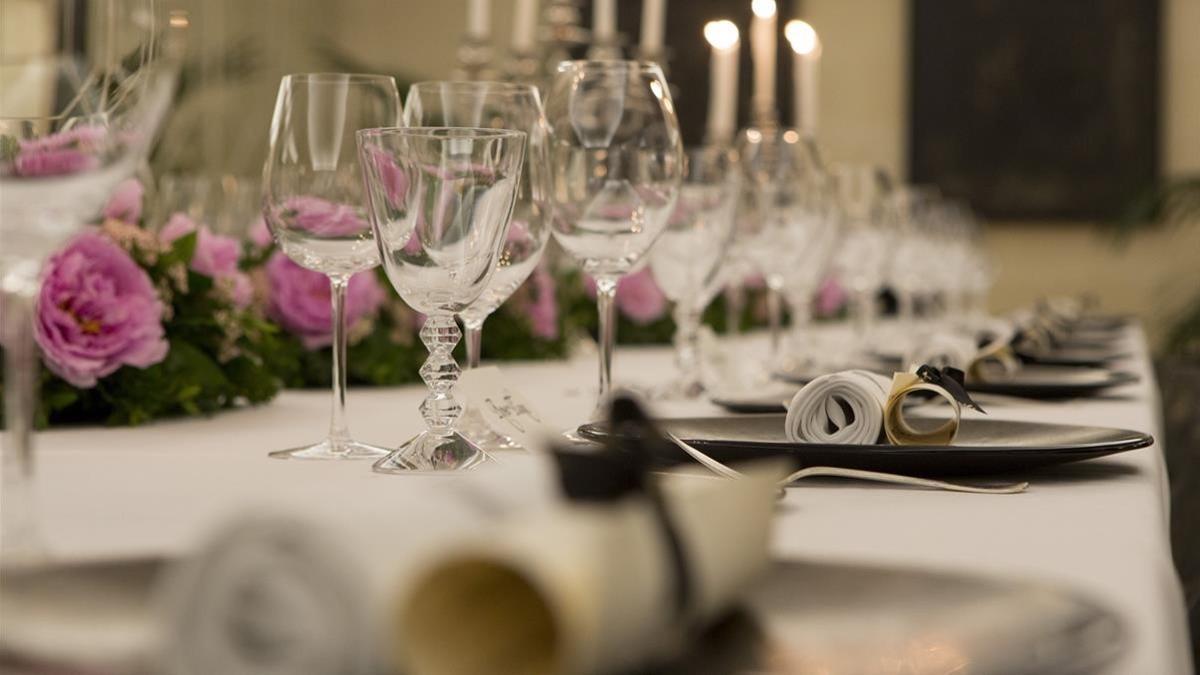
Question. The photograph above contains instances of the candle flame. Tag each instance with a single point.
(763, 9)
(721, 34)
(801, 36)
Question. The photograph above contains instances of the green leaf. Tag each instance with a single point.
(9, 148)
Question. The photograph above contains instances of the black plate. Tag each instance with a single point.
(983, 446)
(1034, 380)
(1089, 357)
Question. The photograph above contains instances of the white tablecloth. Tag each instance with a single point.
(1099, 527)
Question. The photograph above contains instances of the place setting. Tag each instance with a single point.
(669, 344)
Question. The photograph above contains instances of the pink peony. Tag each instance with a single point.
(638, 296)
(125, 204)
(830, 297)
(60, 153)
(215, 256)
(97, 311)
(322, 217)
(299, 299)
(260, 234)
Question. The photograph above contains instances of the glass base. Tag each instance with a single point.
(429, 452)
(330, 449)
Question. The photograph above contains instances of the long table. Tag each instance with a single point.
(1100, 527)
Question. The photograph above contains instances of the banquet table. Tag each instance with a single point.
(1099, 527)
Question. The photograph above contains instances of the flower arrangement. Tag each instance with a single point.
(136, 322)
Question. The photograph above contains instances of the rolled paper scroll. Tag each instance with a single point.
(839, 408)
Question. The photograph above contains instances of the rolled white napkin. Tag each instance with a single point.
(941, 350)
(839, 408)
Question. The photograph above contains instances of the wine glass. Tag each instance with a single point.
(864, 246)
(79, 109)
(686, 261)
(495, 105)
(815, 234)
(616, 161)
(440, 200)
(314, 205)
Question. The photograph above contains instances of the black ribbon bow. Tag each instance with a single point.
(622, 469)
(950, 379)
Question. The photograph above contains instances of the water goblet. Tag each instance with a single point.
(616, 160)
(440, 203)
(686, 261)
(79, 108)
(314, 205)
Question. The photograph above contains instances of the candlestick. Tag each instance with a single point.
(723, 80)
(762, 50)
(806, 60)
(654, 14)
(524, 25)
(479, 19)
(604, 21)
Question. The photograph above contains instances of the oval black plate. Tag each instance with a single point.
(983, 446)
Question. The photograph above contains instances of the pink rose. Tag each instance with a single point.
(260, 234)
(299, 299)
(60, 153)
(638, 296)
(96, 312)
(542, 308)
(125, 204)
(215, 256)
(830, 297)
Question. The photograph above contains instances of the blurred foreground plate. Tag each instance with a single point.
(983, 446)
(808, 617)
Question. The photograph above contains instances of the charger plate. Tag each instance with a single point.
(983, 446)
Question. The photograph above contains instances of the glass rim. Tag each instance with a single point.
(492, 86)
(597, 64)
(326, 77)
(439, 132)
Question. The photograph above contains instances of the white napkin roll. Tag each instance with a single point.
(839, 408)
(941, 350)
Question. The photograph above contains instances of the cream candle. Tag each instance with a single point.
(654, 14)
(479, 19)
(806, 62)
(604, 21)
(722, 36)
(762, 51)
(524, 25)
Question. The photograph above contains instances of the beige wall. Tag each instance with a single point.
(864, 119)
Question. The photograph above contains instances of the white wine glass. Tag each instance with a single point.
(314, 205)
(440, 204)
(616, 161)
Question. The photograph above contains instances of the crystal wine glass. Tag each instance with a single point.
(314, 205)
(686, 261)
(440, 203)
(79, 108)
(495, 105)
(616, 161)
(864, 247)
(815, 232)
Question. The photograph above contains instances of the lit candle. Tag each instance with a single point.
(479, 19)
(806, 61)
(604, 21)
(524, 25)
(654, 14)
(762, 51)
(723, 80)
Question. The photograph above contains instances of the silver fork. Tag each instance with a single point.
(832, 471)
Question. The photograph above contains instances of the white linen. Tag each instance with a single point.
(1099, 527)
(815, 413)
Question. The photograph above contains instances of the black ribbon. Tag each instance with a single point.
(950, 379)
(622, 469)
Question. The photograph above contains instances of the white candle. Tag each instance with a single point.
(524, 25)
(806, 61)
(654, 14)
(479, 18)
(762, 51)
(604, 21)
(723, 80)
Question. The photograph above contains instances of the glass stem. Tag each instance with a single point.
(441, 411)
(801, 310)
(864, 314)
(735, 303)
(905, 310)
(774, 318)
(474, 335)
(339, 432)
(606, 292)
(19, 529)
(687, 329)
